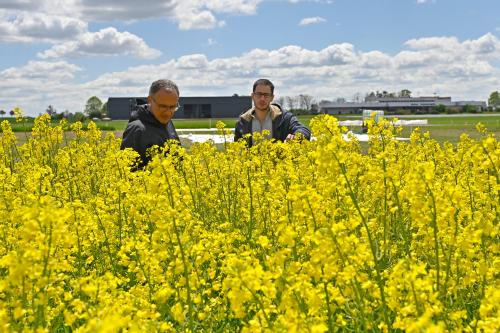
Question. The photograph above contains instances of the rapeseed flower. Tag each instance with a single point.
(281, 237)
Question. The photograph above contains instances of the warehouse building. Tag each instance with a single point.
(190, 107)
(423, 104)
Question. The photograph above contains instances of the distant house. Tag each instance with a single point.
(394, 104)
(190, 107)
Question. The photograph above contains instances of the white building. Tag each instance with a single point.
(393, 104)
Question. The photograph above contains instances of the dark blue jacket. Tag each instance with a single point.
(284, 123)
(144, 131)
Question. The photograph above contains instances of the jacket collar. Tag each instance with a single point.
(250, 114)
(143, 113)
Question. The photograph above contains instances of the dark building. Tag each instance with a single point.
(190, 107)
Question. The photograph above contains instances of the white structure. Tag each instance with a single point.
(375, 114)
(393, 104)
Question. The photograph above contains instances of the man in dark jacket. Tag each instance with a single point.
(150, 124)
(282, 125)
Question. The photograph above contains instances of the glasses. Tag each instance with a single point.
(260, 94)
(172, 108)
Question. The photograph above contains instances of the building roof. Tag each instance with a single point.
(399, 102)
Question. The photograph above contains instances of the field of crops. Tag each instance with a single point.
(283, 237)
(442, 128)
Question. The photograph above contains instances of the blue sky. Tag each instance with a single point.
(61, 52)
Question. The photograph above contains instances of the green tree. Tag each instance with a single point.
(104, 109)
(78, 116)
(58, 116)
(440, 108)
(2, 112)
(469, 108)
(93, 108)
(405, 93)
(494, 100)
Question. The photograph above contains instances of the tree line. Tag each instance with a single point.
(299, 104)
(94, 109)
(307, 104)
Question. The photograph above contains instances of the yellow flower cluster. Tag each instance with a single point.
(320, 236)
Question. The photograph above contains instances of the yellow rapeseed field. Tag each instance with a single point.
(317, 236)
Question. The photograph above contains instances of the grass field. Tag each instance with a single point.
(449, 128)
(442, 128)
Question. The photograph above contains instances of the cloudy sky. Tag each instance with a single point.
(61, 52)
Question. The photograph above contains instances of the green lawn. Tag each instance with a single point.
(450, 128)
(445, 128)
(120, 125)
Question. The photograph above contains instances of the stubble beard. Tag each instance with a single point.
(265, 109)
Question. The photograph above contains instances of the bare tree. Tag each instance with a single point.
(280, 100)
(291, 102)
(51, 111)
(305, 102)
(356, 97)
(370, 97)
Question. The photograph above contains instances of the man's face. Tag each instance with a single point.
(163, 105)
(262, 97)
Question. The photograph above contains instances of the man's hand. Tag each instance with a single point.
(289, 137)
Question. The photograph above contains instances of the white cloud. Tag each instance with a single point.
(177, 10)
(106, 42)
(198, 14)
(35, 70)
(19, 4)
(193, 61)
(35, 27)
(375, 60)
(38, 84)
(449, 48)
(438, 43)
(293, 56)
(126, 10)
(244, 7)
(191, 19)
(485, 45)
(461, 69)
(70, 36)
(95, 10)
(311, 20)
(187, 14)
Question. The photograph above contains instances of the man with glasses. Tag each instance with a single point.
(150, 124)
(264, 115)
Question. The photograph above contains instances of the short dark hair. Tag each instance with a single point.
(163, 84)
(263, 82)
